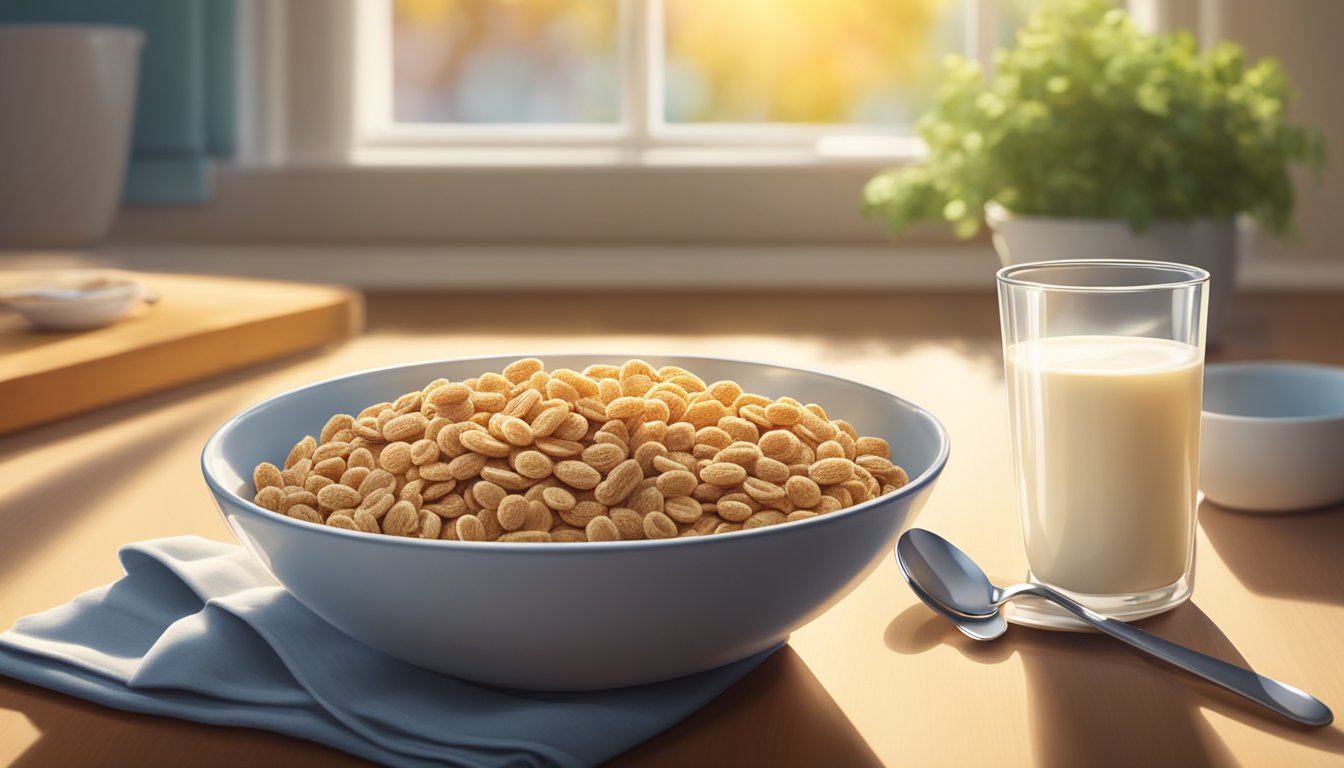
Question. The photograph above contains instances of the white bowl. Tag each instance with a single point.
(1273, 436)
(571, 616)
(76, 300)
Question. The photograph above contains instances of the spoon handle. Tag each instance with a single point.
(1288, 701)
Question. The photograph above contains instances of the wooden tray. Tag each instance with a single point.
(201, 326)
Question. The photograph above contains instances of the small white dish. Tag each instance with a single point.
(1272, 436)
(76, 301)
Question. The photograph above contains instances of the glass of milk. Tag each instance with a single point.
(1104, 363)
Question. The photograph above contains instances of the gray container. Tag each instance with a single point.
(67, 98)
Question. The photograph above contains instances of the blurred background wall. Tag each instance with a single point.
(1305, 36)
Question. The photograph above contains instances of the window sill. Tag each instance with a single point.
(557, 267)
(701, 268)
(839, 151)
(759, 197)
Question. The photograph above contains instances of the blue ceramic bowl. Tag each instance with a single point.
(571, 616)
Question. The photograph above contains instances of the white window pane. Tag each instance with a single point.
(806, 61)
(496, 61)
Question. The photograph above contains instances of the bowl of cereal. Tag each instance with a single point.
(588, 522)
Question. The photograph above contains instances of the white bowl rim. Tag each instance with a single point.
(998, 213)
(1273, 366)
(585, 547)
(116, 289)
(109, 297)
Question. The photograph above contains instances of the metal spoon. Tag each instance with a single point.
(954, 586)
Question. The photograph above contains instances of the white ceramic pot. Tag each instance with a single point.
(67, 97)
(1205, 243)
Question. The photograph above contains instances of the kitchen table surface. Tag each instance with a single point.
(876, 680)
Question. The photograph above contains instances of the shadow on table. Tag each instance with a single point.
(1092, 701)
(1287, 555)
(75, 732)
(779, 715)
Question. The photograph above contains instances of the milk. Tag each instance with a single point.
(1107, 436)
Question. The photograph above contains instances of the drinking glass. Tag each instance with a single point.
(1104, 362)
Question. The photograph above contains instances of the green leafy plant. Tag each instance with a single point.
(1088, 117)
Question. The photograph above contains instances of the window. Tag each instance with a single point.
(749, 123)
(831, 78)
(591, 123)
(486, 61)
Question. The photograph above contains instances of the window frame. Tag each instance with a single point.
(304, 173)
(351, 40)
(642, 127)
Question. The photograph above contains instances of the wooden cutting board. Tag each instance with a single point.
(200, 327)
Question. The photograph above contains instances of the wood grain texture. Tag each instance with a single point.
(200, 327)
(876, 680)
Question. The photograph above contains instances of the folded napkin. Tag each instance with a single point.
(197, 630)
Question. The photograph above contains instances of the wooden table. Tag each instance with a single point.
(877, 680)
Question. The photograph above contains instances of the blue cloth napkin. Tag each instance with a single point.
(197, 630)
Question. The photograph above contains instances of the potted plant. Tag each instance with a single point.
(1094, 140)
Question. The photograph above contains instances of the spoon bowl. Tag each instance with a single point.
(938, 571)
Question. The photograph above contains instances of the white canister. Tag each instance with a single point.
(67, 99)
